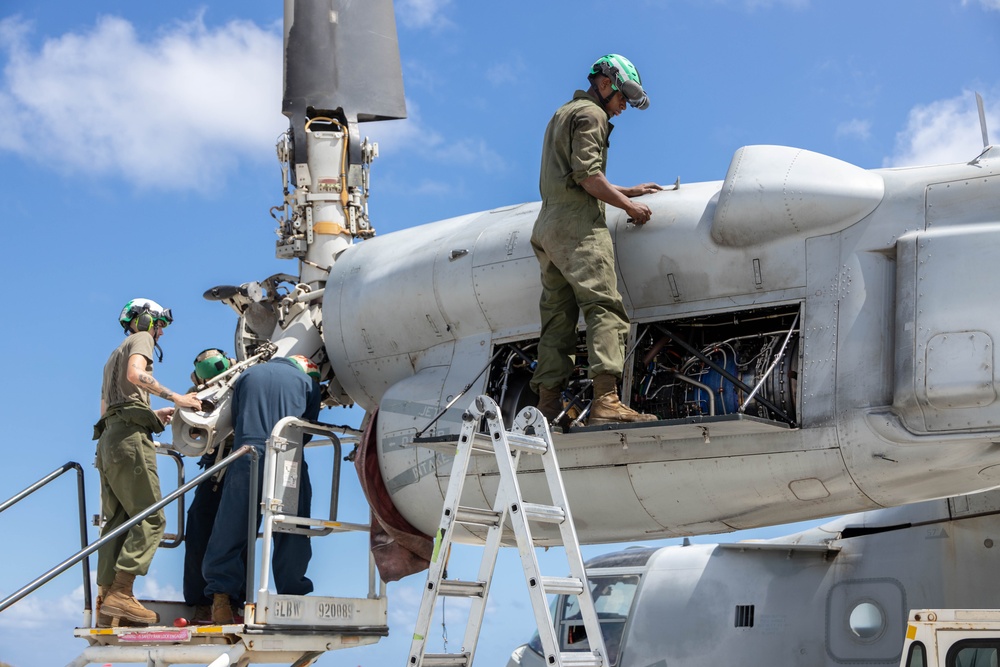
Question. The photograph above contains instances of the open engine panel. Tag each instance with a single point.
(739, 362)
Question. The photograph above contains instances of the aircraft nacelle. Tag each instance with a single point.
(815, 338)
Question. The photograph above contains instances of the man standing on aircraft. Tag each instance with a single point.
(202, 512)
(126, 461)
(573, 244)
(262, 396)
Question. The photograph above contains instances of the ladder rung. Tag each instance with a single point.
(455, 588)
(482, 444)
(580, 659)
(527, 443)
(445, 660)
(476, 516)
(543, 513)
(562, 585)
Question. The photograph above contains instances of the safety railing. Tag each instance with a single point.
(279, 500)
(286, 440)
(173, 540)
(82, 507)
(89, 549)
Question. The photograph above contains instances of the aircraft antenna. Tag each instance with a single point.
(982, 121)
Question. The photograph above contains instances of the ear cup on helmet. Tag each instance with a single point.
(144, 322)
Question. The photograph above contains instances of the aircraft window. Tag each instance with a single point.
(973, 653)
(917, 657)
(867, 621)
(613, 596)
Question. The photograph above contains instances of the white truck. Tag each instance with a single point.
(952, 638)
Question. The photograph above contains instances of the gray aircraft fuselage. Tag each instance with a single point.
(859, 301)
(830, 596)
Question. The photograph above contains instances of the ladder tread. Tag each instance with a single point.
(477, 516)
(563, 585)
(457, 588)
(481, 444)
(527, 443)
(580, 659)
(543, 513)
(445, 659)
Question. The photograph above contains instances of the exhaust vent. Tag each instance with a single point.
(744, 616)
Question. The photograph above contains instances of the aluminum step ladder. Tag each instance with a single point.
(529, 435)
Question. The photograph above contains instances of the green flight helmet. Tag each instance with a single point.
(146, 313)
(210, 363)
(624, 77)
(306, 365)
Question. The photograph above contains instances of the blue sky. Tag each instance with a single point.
(137, 155)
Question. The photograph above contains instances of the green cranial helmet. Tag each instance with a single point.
(306, 365)
(210, 363)
(146, 313)
(624, 77)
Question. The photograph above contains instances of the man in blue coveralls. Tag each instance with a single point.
(205, 504)
(262, 396)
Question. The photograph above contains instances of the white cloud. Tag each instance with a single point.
(405, 596)
(510, 71)
(856, 127)
(423, 13)
(412, 135)
(36, 612)
(172, 112)
(985, 4)
(944, 131)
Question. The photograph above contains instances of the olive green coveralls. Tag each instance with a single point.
(126, 460)
(574, 249)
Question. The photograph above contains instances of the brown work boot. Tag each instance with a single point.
(102, 592)
(607, 409)
(222, 609)
(120, 606)
(549, 403)
(103, 620)
(202, 615)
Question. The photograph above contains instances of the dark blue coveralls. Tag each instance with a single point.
(262, 396)
(200, 521)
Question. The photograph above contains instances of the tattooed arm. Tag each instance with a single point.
(140, 377)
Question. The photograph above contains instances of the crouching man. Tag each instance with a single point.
(262, 396)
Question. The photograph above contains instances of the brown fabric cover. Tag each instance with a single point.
(399, 549)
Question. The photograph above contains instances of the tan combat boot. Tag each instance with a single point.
(607, 409)
(120, 606)
(102, 621)
(222, 609)
(549, 403)
(102, 592)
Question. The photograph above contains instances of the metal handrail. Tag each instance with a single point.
(83, 553)
(278, 441)
(171, 540)
(82, 505)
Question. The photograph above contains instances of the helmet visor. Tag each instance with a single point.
(634, 93)
(164, 316)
